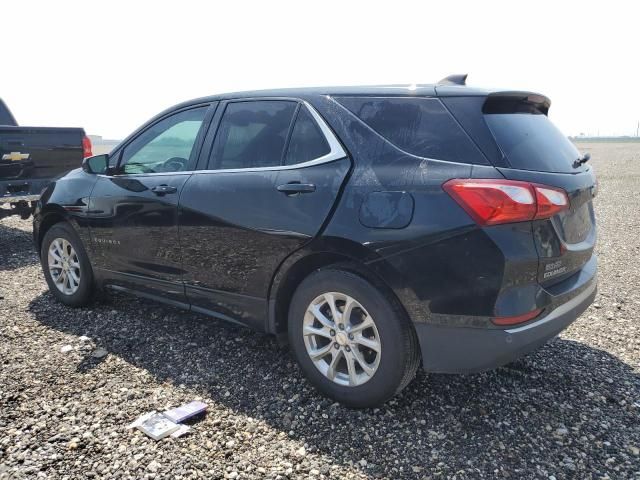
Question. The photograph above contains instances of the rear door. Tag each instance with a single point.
(536, 151)
(273, 174)
(133, 213)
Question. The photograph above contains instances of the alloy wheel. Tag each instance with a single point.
(342, 339)
(64, 266)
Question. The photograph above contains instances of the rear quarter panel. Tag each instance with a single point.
(441, 263)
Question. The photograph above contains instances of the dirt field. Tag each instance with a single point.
(572, 410)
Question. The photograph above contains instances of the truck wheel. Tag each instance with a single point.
(352, 340)
(66, 266)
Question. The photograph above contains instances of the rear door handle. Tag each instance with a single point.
(296, 187)
(163, 189)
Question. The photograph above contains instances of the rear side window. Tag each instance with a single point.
(530, 141)
(307, 141)
(420, 126)
(253, 134)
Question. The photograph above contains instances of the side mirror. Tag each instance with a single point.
(96, 164)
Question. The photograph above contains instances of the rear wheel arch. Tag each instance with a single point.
(288, 279)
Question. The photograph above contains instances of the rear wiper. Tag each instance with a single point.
(582, 160)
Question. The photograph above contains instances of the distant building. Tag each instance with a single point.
(100, 140)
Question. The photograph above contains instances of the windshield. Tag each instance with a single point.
(532, 142)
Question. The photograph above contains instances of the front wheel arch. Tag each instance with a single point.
(45, 226)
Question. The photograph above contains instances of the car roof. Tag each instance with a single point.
(365, 90)
(417, 90)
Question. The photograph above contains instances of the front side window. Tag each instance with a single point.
(165, 147)
(252, 134)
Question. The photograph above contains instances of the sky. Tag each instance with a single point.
(109, 66)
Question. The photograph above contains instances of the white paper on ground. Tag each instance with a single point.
(181, 413)
(158, 426)
(140, 420)
(182, 430)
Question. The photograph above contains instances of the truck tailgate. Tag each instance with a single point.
(38, 152)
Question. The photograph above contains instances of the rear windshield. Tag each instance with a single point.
(420, 126)
(531, 142)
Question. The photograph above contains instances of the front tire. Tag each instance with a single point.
(351, 338)
(66, 266)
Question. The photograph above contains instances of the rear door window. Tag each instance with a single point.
(252, 134)
(307, 141)
(531, 141)
(420, 126)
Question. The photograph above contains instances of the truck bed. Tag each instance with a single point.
(38, 152)
(30, 157)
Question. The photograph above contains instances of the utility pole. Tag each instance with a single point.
(638, 128)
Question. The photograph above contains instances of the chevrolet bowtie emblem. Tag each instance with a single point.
(15, 156)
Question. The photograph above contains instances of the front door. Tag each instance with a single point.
(133, 212)
(274, 173)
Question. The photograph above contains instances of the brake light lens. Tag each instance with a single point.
(86, 147)
(494, 202)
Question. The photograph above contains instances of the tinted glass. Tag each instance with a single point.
(252, 134)
(532, 142)
(6, 118)
(307, 141)
(165, 147)
(420, 126)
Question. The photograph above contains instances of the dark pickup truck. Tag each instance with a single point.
(30, 157)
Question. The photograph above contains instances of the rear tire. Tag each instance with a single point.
(363, 346)
(66, 266)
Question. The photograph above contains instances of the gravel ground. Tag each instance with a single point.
(572, 410)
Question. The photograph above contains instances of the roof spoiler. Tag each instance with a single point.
(516, 102)
(455, 79)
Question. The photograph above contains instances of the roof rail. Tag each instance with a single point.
(456, 79)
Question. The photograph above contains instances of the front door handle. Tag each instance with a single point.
(296, 187)
(163, 189)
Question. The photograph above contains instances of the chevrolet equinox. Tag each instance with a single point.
(378, 229)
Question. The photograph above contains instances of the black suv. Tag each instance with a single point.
(380, 228)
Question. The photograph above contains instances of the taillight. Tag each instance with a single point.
(492, 202)
(550, 201)
(86, 147)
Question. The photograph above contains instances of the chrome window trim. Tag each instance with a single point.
(150, 174)
(336, 152)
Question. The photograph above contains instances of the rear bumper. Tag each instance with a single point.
(465, 350)
(27, 190)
